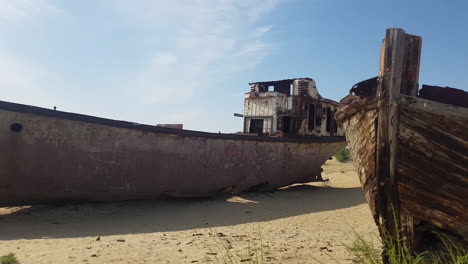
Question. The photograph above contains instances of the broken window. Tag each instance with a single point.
(310, 121)
(335, 127)
(329, 119)
(318, 114)
(286, 124)
(303, 87)
(282, 87)
(256, 126)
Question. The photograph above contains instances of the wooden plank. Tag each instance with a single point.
(360, 133)
(427, 130)
(409, 84)
(391, 73)
(399, 72)
(423, 205)
(449, 111)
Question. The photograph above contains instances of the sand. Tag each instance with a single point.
(307, 223)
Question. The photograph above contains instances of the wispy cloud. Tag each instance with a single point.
(23, 82)
(26, 10)
(203, 40)
(188, 47)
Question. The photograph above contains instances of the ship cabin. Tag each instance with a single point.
(291, 107)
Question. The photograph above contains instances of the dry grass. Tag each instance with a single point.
(253, 254)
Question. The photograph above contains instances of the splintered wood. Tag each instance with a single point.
(411, 153)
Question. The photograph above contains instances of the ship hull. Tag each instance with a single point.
(411, 153)
(431, 164)
(50, 156)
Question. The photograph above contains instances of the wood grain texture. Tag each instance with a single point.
(411, 153)
(433, 168)
(400, 56)
(361, 137)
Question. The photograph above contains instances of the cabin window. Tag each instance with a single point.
(318, 115)
(271, 88)
(291, 89)
(329, 119)
(256, 126)
(310, 120)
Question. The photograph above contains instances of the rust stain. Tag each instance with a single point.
(444, 95)
(59, 157)
(289, 108)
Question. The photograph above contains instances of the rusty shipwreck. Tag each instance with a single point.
(51, 156)
(410, 147)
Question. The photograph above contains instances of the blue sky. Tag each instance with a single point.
(152, 61)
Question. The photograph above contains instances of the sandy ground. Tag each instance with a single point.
(307, 223)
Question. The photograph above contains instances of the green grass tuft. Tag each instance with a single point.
(364, 252)
(453, 252)
(8, 259)
(343, 155)
(395, 249)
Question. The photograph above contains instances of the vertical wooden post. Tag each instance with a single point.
(410, 79)
(391, 65)
(399, 72)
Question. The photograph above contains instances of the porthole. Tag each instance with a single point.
(16, 128)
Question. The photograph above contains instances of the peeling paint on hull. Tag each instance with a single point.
(59, 157)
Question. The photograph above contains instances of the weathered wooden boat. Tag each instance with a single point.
(52, 156)
(410, 148)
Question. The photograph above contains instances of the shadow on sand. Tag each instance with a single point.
(101, 219)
